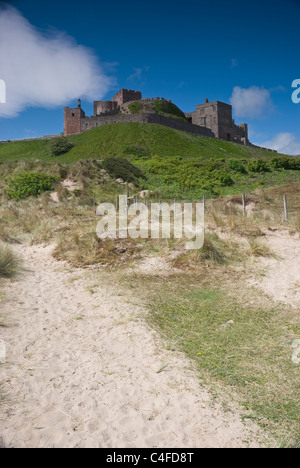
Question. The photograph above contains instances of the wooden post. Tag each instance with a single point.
(204, 202)
(244, 204)
(286, 214)
(117, 205)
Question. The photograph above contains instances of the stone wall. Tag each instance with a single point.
(72, 120)
(106, 107)
(87, 123)
(217, 116)
(126, 95)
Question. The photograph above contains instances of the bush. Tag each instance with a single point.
(60, 145)
(286, 163)
(121, 167)
(30, 184)
(258, 165)
(136, 150)
(237, 166)
(10, 265)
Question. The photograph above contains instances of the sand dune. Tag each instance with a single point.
(84, 370)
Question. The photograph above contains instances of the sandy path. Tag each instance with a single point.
(82, 370)
(281, 275)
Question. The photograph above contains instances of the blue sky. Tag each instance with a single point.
(245, 53)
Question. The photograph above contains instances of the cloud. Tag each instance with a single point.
(285, 143)
(43, 69)
(253, 102)
(137, 74)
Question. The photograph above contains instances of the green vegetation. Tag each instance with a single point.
(245, 347)
(169, 110)
(112, 140)
(286, 163)
(175, 164)
(258, 165)
(236, 337)
(122, 168)
(60, 145)
(29, 184)
(135, 107)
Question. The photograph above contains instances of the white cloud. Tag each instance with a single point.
(43, 69)
(251, 102)
(285, 143)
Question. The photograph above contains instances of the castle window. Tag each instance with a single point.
(86, 126)
(73, 113)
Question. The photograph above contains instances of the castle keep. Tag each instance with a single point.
(211, 119)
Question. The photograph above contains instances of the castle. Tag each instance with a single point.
(211, 119)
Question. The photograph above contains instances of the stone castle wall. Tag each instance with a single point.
(126, 95)
(88, 123)
(212, 119)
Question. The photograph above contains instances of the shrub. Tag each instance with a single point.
(258, 165)
(60, 145)
(136, 150)
(237, 166)
(30, 184)
(121, 167)
(10, 265)
(286, 163)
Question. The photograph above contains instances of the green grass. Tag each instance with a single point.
(235, 338)
(176, 164)
(113, 139)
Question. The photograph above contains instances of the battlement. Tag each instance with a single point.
(126, 95)
(213, 119)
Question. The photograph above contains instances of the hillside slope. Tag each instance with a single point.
(175, 164)
(130, 138)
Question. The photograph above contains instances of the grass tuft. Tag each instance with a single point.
(10, 264)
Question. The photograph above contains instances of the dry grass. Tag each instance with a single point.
(10, 264)
(259, 249)
(214, 250)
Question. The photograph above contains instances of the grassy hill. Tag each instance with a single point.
(175, 164)
(118, 139)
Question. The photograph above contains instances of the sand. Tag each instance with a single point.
(280, 277)
(85, 370)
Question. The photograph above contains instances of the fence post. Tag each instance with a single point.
(204, 202)
(244, 204)
(286, 214)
